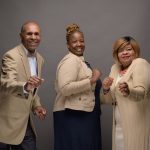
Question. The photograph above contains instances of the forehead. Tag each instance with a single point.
(31, 28)
(126, 46)
(77, 35)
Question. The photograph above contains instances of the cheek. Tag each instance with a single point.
(39, 38)
(133, 54)
(119, 56)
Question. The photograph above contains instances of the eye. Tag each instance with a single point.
(36, 33)
(73, 41)
(129, 49)
(120, 50)
(29, 33)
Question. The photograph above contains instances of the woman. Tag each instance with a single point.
(76, 110)
(127, 88)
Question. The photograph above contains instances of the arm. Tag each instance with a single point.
(67, 75)
(105, 92)
(140, 85)
(9, 73)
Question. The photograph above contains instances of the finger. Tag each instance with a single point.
(44, 112)
(42, 117)
(35, 81)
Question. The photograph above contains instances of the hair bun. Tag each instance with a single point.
(72, 27)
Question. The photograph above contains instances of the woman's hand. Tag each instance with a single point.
(95, 76)
(107, 82)
(124, 88)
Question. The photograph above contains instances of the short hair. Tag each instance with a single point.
(70, 29)
(26, 23)
(122, 42)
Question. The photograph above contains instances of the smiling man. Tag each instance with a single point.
(19, 81)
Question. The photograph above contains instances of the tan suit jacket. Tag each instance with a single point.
(73, 85)
(135, 108)
(15, 107)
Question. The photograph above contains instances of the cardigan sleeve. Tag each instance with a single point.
(67, 74)
(140, 85)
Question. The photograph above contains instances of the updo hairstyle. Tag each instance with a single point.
(70, 29)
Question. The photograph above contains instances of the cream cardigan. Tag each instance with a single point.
(135, 108)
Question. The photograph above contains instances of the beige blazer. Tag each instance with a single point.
(73, 85)
(15, 107)
(135, 108)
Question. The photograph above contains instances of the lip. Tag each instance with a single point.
(125, 57)
(33, 43)
(80, 49)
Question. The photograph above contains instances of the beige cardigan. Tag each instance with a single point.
(73, 85)
(135, 108)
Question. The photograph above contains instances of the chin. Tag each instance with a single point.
(31, 50)
(79, 54)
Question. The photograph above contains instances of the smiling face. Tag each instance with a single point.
(30, 36)
(126, 55)
(76, 43)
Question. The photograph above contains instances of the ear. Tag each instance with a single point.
(68, 46)
(20, 36)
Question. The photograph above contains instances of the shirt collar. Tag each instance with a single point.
(28, 53)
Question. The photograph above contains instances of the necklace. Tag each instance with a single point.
(122, 72)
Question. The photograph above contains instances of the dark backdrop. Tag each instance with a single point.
(102, 21)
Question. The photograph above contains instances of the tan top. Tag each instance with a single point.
(73, 85)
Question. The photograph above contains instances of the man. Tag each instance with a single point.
(19, 82)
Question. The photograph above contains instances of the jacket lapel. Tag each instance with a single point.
(39, 63)
(25, 61)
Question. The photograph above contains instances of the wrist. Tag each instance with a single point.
(105, 91)
(26, 87)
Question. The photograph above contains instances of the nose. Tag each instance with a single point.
(78, 43)
(33, 36)
(125, 51)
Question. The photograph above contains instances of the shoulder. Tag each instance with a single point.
(140, 62)
(70, 56)
(69, 59)
(12, 52)
(115, 67)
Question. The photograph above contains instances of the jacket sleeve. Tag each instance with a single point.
(36, 102)
(140, 86)
(67, 74)
(8, 78)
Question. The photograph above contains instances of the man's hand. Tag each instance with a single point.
(32, 83)
(40, 112)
